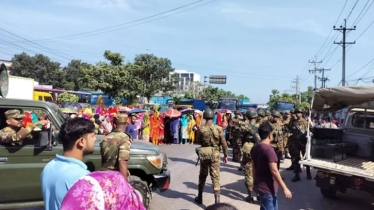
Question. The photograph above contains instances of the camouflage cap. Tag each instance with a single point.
(14, 113)
(267, 113)
(121, 118)
(287, 113)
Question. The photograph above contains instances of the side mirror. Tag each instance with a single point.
(43, 139)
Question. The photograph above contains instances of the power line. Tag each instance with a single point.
(124, 25)
(354, 6)
(331, 29)
(360, 13)
(364, 13)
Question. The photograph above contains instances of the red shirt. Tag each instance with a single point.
(263, 154)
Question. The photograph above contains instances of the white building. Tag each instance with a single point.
(186, 79)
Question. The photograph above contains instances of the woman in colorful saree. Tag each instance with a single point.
(102, 190)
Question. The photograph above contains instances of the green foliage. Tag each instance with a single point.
(306, 98)
(241, 96)
(188, 96)
(118, 100)
(38, 67)
(154, 74)
(211, 93)
(73, 74)
(66, 97)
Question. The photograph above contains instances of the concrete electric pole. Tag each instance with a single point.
(315, 72)
(343, 43)
(297, 88)
(323, 79)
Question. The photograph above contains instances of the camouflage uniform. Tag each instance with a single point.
(236, 133)
(297, 147)
(277, 142)
(286, 123)
(211, 137)
(15, 136)
(115, 147)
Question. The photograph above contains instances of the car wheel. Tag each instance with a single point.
(328, 193)
(142, 189)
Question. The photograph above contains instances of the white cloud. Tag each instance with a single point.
(302, 19)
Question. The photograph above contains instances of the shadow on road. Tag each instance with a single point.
(175, 159)
(226, 190)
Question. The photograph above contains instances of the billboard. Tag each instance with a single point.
(217, 79)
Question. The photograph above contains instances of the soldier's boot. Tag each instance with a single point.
(216, 198)
(199, 198)
(308, 174)
(296, 178)
(250, 197)
(291, 168)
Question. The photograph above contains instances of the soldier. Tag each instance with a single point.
(250, 138)
(235, 131)
(286, 122)
(299, 128)
(260, 117)
(290, 140)
(278, 134)
(14, 133)
(211, 139)
(267, 117)
(115, 148)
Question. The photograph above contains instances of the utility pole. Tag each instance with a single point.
(315, 71)
(297, 88)
(343, 43)
(323, 79)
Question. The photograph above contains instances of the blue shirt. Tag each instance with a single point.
(131, 129)
(57, 178)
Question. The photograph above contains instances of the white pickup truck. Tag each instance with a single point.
(343, 157)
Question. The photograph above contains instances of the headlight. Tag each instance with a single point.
(156, 161)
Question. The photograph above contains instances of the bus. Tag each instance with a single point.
(83, 96)
(284, 106)
(53, 92)
(229, 103)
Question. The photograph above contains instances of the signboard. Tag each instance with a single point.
(4, 81)
(217, 79)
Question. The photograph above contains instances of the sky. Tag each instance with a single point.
(258, 45)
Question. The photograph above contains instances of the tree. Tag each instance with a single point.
(115, 79)
(153, 74)
(308, 95)
(40, 68)
(188, 96)
(73, 72)
(241, 96)
(67, 97)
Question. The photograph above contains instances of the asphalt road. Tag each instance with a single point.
(184, 178)
(183, 187)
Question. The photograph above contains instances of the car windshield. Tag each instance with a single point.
(229, 104)
(58, 113)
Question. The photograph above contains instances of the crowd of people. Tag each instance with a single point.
(150, 124)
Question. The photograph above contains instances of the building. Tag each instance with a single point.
(186, 79)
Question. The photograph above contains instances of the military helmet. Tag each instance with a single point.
(280, 111)
(208, 114)
(251, 114)
(236, 112)
(267, 113)
(292, 111)
(276, 114)
(261, 112)
(298, 110)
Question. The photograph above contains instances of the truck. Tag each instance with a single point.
(284, 106)
(21, 165)
(343, 157)
(229, 103)
(245, 105)
(23, 88)
(191, 103)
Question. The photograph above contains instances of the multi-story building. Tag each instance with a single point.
(186, 79)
